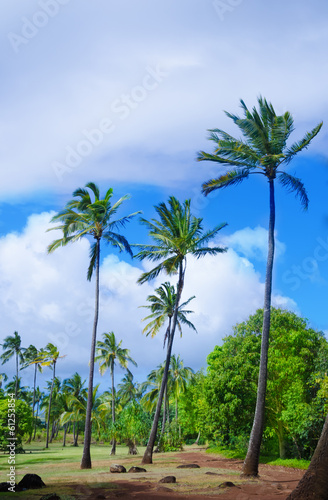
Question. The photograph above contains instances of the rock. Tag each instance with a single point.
(163, 488)
(137, 469)
(188, 466)
(31, 482)
(213, 473)
(50, 496)
(117, 468)
(227, 484)
(168, 479)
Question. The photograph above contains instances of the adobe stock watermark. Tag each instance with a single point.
(31, 26)
(121, 108)
(223, 7)
(309, 267)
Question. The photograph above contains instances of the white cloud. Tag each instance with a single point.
(47, 298)
(253, 243)
(86, 58)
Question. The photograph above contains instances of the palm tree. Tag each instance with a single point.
(83, 217)
(180, 375)
(74, 386)
(22, 392)
(31, 357)
(38, 399)
(314, 483)
(162, 308)
(3, 378)
(12, 347)
(49, 357)
(176, 234)
(263, 151)
(109, 351)
(128, 390)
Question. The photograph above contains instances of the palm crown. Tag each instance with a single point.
(84, 217)
(175, 234)
(264, 149)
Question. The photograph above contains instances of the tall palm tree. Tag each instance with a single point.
(86, 216)
(109, 351)
(49, 357)
(176, 234)
(12, 347)
(162, 304)
(263, 151)
(22, 391)
(38, 399)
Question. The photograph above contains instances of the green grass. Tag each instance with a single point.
(270, 460)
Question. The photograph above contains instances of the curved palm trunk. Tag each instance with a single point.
(86, 456)
(36, 419)
(165, 396)
(49, 407)
(148, 455)
(113, 450)
(250, 467)
(314, 483)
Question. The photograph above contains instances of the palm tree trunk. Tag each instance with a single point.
(314, 483)
(16, 384)
(148, 455)
(35, 422)
(113, 450)
(250, 467)
(86, 456)
(65, 432)
(49, 407)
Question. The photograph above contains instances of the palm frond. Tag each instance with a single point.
(231, 178)
(302, 144)
(294, 184)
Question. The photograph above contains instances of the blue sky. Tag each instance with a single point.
(122, 93)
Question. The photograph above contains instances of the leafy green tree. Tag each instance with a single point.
(263, 151)
(109, 352)
(133, 426)
(181, 376)
(84, 217)
(12, 347)
(176, 234)
(231, 382)
(194, 409)
(23, 423)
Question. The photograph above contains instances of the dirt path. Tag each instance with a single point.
(201, 483)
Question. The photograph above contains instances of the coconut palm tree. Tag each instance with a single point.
(263, 151)
(3, 378)
(108, 352)
(162, 304)
(128, 390)
(181, 375)
(31, 356)
(22, 391)
(175, 235)
(87, 215)
(12, 347)
(38, 400)
(49, 357)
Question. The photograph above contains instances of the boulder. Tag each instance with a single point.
(168, 479)
(117, 468)
(31, 482)
(137, 469)
(188, 466)
(227, 484)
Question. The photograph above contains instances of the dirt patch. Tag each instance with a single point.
(224, 483)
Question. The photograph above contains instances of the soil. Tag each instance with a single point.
(202, 483)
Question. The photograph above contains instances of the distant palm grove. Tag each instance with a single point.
(264, 389)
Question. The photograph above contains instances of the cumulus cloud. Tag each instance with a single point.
(47, 298)
(253, 243)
